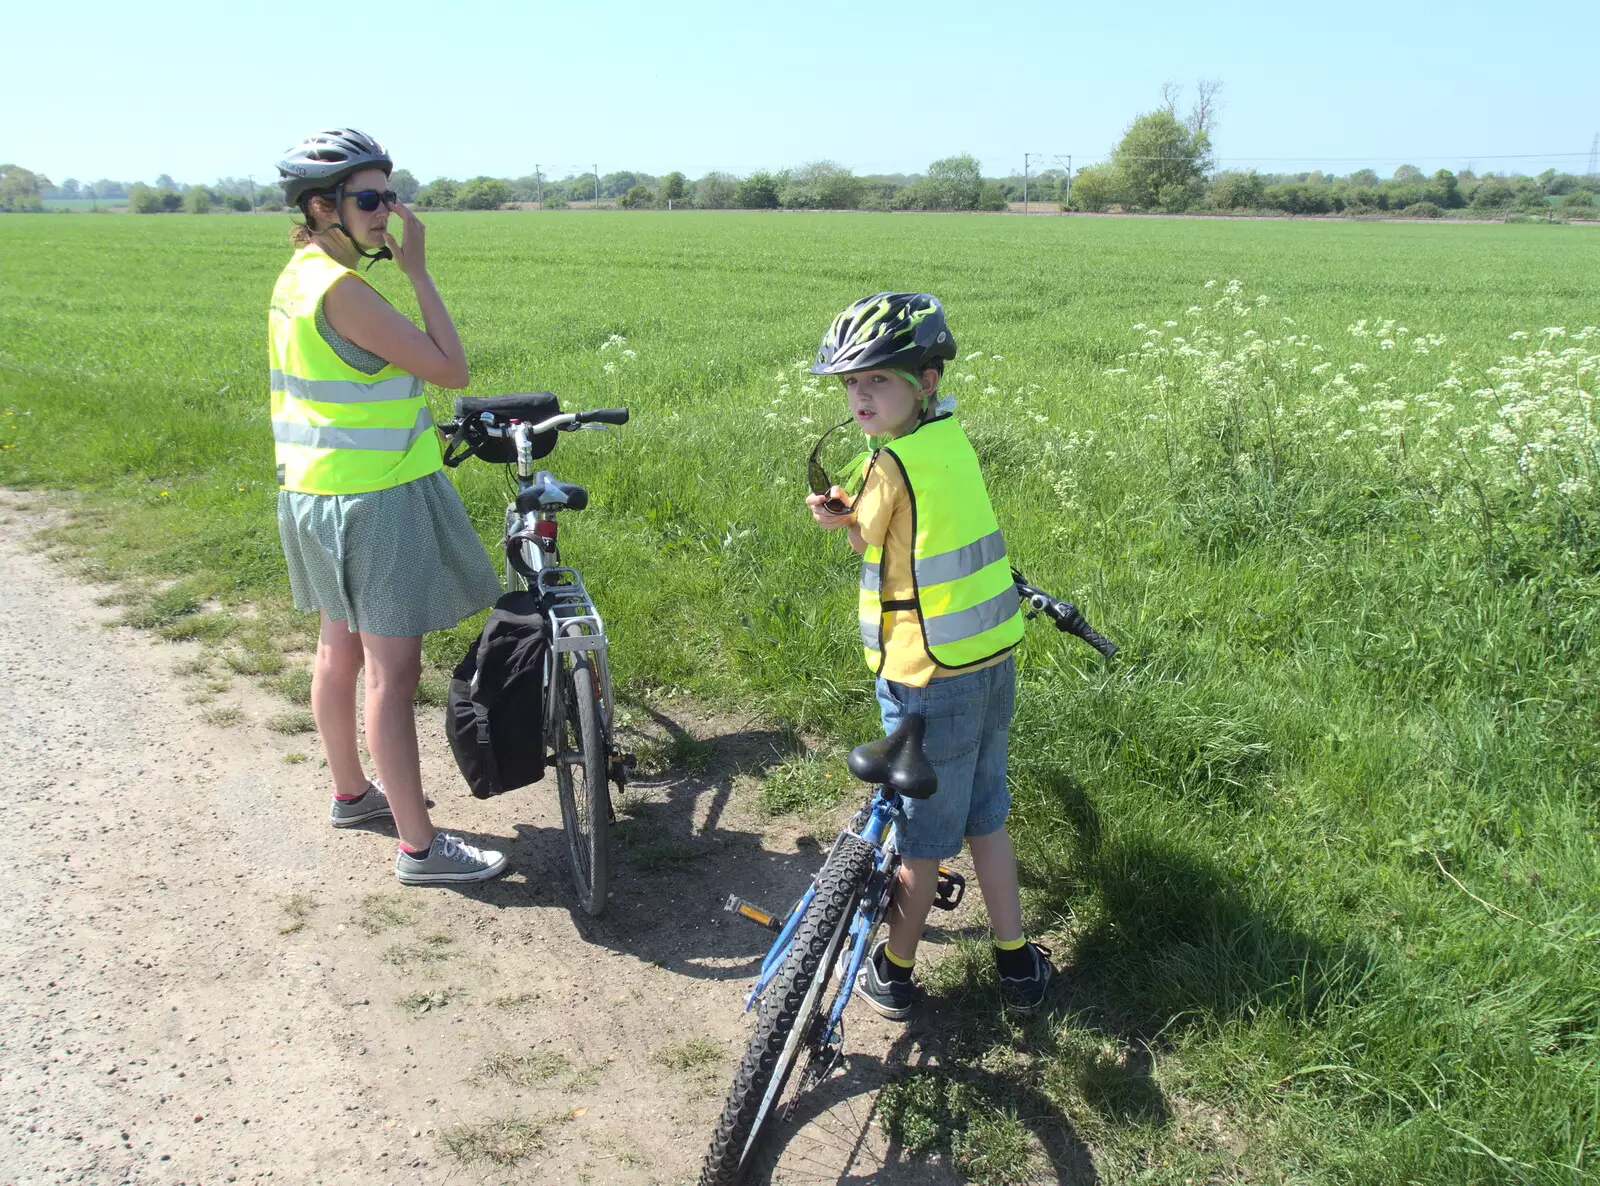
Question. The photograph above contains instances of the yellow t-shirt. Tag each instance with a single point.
(883, 512)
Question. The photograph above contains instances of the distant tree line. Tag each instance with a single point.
(1408, 192)
(953, 183)
(1163, 163)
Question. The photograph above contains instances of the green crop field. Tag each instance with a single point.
(1317, 853)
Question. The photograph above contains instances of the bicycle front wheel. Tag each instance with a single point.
(581, 782)
(789, 1013)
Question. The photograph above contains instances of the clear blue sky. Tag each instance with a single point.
(128, 91)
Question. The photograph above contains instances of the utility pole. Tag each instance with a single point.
(597, 185)
(1026, 159)
(538, 185)
(1594, 155)
(251, 179)
(1066, 190)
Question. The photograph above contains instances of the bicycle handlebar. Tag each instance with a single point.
(1064, 614)
(491, 425)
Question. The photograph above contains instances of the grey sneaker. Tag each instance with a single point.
(1024, 994)
(373, 804)
(451, 861)
(892, 998)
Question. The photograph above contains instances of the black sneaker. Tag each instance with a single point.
(892, 998)
(1024, 994)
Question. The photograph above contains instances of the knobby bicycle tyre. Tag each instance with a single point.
(581, 783)
(791, 1002)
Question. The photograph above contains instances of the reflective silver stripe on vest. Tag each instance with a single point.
(327, 436)
(968, 623)
(872, 633)
(871, 576)
(344, 391)
(960, 562)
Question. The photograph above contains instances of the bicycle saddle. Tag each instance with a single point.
(897, 761)
(548, 494)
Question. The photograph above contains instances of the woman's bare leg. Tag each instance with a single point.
(394, 665)
(333, 704)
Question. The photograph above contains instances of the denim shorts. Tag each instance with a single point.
(967, 719)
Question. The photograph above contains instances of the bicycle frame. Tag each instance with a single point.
(575, 623)
(876, 824)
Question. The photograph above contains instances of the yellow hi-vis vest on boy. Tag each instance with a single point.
(338, 429)
(964, 593)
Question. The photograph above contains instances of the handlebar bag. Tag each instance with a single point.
(494, 718)
(530, 407)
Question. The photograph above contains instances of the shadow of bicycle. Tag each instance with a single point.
(838, 1132)
(675, 856)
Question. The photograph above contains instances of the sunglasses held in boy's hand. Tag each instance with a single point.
(817, 476)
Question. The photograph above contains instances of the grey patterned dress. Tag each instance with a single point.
(397, 562)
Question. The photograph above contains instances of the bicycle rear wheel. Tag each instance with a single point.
(788, 1014)
(581, 780)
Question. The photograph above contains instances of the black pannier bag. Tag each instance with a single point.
(471, 441)
(495, 715)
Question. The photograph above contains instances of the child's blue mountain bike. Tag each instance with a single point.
(831, 929)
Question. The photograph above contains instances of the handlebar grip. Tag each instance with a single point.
(1098, 641)
(604, 416)
(456, 449)
(1069, 618)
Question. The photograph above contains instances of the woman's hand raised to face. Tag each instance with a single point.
(411, 255)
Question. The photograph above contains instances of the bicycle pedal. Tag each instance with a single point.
(762, 918)
(620, 767)
(952, 888)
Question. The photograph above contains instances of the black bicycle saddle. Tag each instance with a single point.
(546, 493)
(897, 761)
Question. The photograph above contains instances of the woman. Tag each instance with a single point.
(375, 535)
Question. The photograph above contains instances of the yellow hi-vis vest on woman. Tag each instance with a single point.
(964, 593)
(338, 429)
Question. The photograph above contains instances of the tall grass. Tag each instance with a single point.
(1322, 841)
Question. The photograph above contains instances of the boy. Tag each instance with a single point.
(939, 617)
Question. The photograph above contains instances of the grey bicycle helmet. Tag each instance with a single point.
(321, 161)
(902, 331)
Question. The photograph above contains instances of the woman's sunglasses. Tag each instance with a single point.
(817, 477)
(369, 200)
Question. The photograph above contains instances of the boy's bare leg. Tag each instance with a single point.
(914, 892)
(394, 666)
(333, 704)
(996, 864)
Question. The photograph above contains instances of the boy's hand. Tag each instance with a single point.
(825, 518)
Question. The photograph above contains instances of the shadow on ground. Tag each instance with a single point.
(838, 1131)
(1175, 940)
(674, 857)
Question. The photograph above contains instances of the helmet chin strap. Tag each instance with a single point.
(927, 400)
(371, 257)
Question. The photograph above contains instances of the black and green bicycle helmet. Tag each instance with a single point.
(900, 331)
